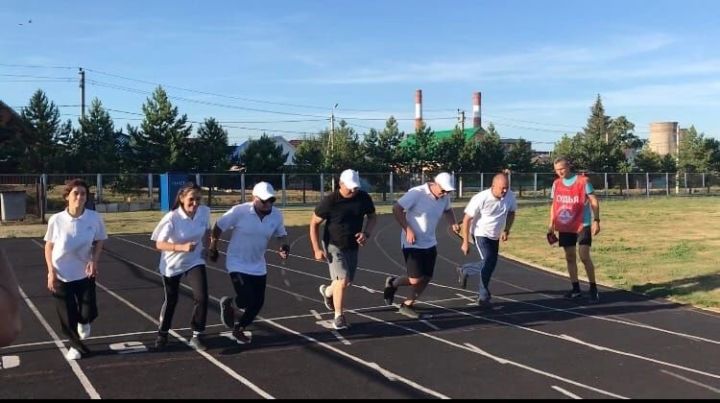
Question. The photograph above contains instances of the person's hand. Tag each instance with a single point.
(595, 227)
(409, 236)
(284, 252)
(455, 228)
(319, 254)
(51, 280)
(91, 269)
(465, 247)
(213, 254)
(504, 236)
(361, 238)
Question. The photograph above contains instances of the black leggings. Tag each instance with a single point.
(250, 291)
(197, 277)
(75, 302)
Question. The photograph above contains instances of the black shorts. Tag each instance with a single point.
(420, 262)
(570, 238)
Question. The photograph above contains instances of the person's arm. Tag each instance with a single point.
(52, 273)
(595, 206)
(175, 247)
(10, 325)
(450, 218)
(213, 252)
(315, 222)
(508, 224)
(283, 246)
(91, 269)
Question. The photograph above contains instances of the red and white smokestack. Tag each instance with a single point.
(418, 109)
(477, 115)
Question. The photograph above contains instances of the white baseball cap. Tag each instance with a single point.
(350, 178)
(263, 191)
(445, 181)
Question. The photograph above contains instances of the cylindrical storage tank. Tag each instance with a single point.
(663, 137)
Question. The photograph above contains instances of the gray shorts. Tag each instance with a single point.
(342, 262)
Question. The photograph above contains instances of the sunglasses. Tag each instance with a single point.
(270, 200)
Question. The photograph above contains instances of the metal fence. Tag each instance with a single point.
(131, 192)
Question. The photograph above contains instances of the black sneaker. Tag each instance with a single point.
(328, 301)
(240, 336)
(408, 311)
(340, 323)
(572, 294)
(161, 341)
(227, 313)
(462, 277)
(197, 343)
(389, 291)
(594, 296)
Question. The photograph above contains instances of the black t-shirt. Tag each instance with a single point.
(344, 217)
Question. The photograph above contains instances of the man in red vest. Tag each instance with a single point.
(573, 201)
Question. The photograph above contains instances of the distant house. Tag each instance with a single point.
(236, 151)
(469, 133)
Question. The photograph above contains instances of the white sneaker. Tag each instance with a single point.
(73, 354)
(83, 330)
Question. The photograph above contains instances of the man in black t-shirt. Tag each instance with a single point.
(343, 212)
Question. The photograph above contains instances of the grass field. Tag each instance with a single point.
(668, 247)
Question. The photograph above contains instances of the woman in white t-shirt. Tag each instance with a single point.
(73, 243)
(182, 236)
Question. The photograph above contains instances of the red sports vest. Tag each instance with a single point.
(568, 205)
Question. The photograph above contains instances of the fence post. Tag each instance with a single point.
(647, 184)
(482, 179)
(322, 185)
(43, 198)
(703, 180)
(667, 184)
(98, 188)
(392, 189)
(535, 183)
(627, 183)
(284, 193)
(422, 177)
(198, 180)
(687, 190)
(606, 184)
(242, 188)
(150, 189)
(460, 187)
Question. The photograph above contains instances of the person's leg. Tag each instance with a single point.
(585, 242)
(197, 278)
(172, 291)
(490, 249)
(65, 296)
(421, 267)
(255, 298)
(339, 264)
(568, 242)
(88, 302)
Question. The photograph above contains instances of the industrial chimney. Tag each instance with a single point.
(477, 115)
(418, 109)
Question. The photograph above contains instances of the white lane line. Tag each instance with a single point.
(175, 334)
(207, 356)
(429, 324)
(694, 382)
(567, 393)
(374, 366)
(87, 385)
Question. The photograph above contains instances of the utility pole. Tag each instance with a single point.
(677, 159)
(82, 92)
(462, 121)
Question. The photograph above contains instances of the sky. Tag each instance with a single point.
(280, 67)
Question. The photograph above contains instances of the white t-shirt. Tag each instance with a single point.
(177, 227)
(490, 213)
(250, 236)
(422, 212)
(72, 240)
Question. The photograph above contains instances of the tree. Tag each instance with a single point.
(263, 155)
(161, 144)
(490, 155)
(343, 149)
(42, 152)
(519, 157)
(567, 147)
(648, 160)
(309, 156)
(695, 155)
(418, 153)
(668, 163)
(449, 149)
(95, 143)
(210, 153)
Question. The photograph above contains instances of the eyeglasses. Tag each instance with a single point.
(270, 200)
